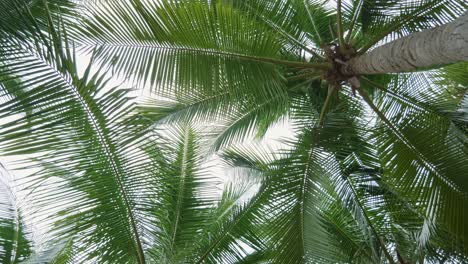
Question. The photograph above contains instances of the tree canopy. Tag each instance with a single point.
(142, 171)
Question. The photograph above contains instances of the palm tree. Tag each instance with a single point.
(441, 45)
(378, 177)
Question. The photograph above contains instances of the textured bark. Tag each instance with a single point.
(436, 46)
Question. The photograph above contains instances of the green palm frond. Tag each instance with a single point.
(442, 109)
(65, 255)
(375, 178)
(13, 13)
(58, 254)
(15, 242)
(249, 120)
(303, 24)
(410, 154)
(159, 45)
(231, 235)
(402, 222)
(230, 120)
(293, 222)
(101, 159)
(233, 232)
(184, 200)
(291, 206)
(79, 123)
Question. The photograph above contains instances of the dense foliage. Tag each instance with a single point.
(141, 170)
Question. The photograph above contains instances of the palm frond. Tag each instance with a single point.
(294, 225)
(303, 24)
(227, 120)
(159, 45)
(113, 180)
(15, 242)
(233, 233)
(82, 137)
(184, 200)
(413, 164)
(13, 13)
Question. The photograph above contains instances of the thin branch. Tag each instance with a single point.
(294, 64)
(363, 210)
(356, 14)
(183, 175)
(339, 24)
(312, 21)
(325, 105)
(308, 75)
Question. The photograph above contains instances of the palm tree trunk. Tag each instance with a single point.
(436, 46)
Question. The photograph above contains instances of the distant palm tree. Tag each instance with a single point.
(375, 178)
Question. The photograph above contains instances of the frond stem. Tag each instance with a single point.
(307, 75)
(312, 21)
(325, 105)
(107, 149)
(364, 212)
(110, 157)
(330, 28)
(304, 190)
(339, 24)
(180, 196)
(294, 64)
(98, 129)
(356, 14)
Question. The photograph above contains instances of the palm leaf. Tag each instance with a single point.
(160, 46)
(86, 119)
(185, 197)
(413, 167)
(15, 242)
